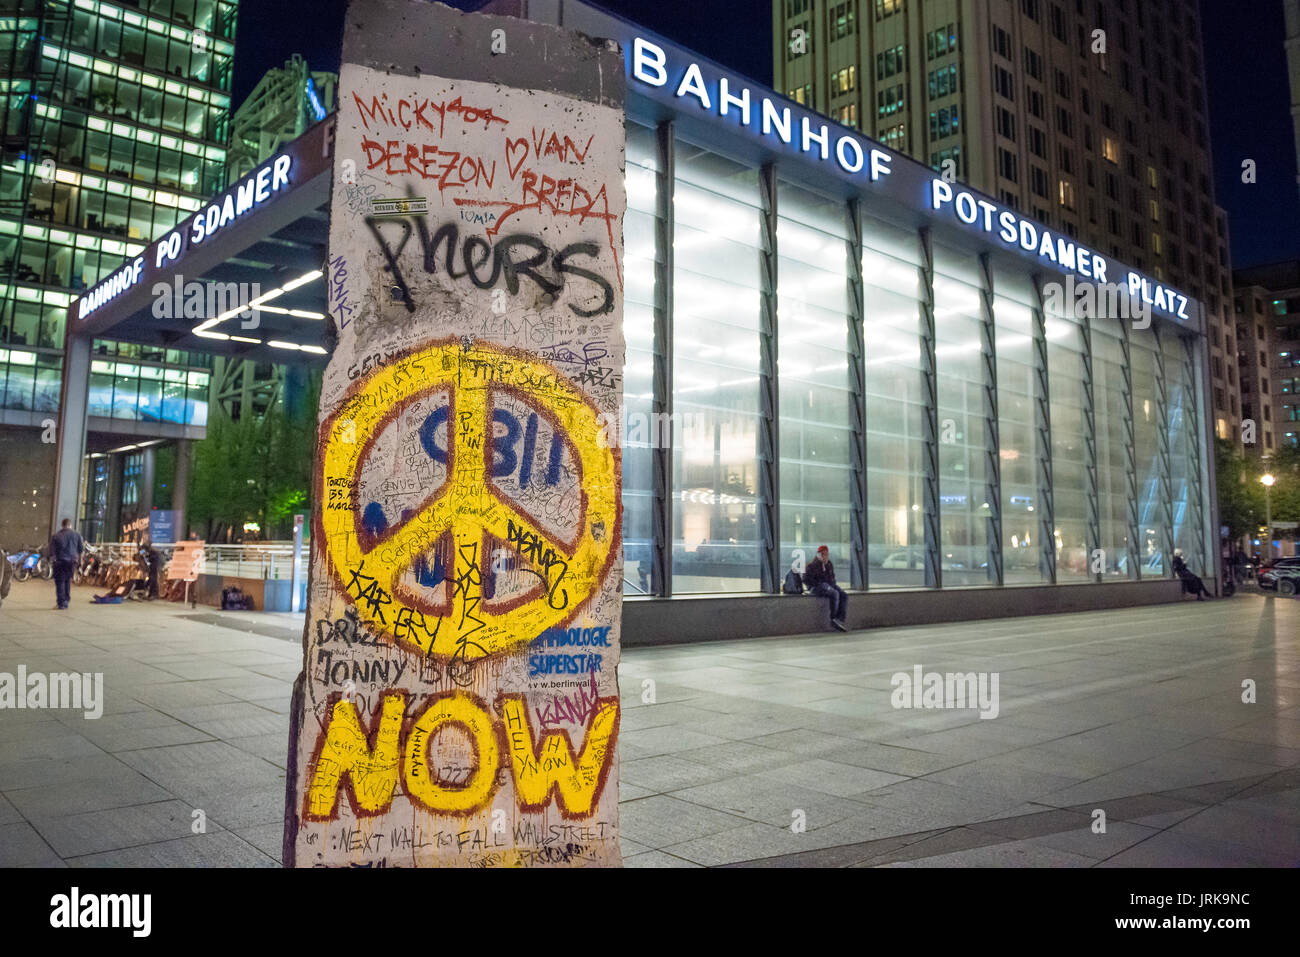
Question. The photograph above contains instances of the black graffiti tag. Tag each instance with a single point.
(486, 264)
(531, 547)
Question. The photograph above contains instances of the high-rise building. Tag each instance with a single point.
(284, 103)
(1291, 13)
(115, 118)
(1089, 115)
(1268, 335)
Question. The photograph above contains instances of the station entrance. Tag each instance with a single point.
(219, 447)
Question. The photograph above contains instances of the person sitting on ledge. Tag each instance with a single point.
(819, 576)
(1192, 583)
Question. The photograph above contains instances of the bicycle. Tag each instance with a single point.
(86, 567)
(26, 564)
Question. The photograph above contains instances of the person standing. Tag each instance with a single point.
(1239, 566)
(819, 576)
(66, 547)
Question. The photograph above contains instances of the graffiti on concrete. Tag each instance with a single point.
(459, 701)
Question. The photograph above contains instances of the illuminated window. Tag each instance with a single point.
(940, 42)
(895, 137)
(890, 62)
(943, 81)
(944, 122)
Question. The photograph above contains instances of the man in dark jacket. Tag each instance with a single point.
(819, 576)
(66, 547)
(1192, 583)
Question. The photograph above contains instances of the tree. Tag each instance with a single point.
(1243, 504)
(1284, 465)
(1238, 508)
(255, 469)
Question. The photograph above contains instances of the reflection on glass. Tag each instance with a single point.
(715, 370)
(1112, 487)
(963, 510)
(638, 430)
(895, 405)
(1182, 449)
(1065, 376)
(1018, 451)
(1146, 434)
(816, 475)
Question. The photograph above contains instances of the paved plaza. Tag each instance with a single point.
(782, 751)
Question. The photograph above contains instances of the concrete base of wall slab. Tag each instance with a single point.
(662, 621)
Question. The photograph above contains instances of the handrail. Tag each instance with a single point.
(264, 560)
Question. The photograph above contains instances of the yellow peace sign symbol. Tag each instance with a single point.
(373, 565)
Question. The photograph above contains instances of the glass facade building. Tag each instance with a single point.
(824, 346)
(936, 423)
(114, 119)
(837, 361)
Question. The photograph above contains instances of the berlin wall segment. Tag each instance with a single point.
(458, 703)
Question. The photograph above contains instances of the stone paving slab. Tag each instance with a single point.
(772, 752)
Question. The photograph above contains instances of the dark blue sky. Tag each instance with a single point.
(1246, 81)
(1250, 118)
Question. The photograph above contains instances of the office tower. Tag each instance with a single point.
(1268, 332)
(1089, 115)
(1291, 12)
(284, 103)
(115, 119)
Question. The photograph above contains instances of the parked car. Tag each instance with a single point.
(1271, 576)
(954, 558)
(1288, 581)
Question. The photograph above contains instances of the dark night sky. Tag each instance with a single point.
(1250, 118)
(1244, 54)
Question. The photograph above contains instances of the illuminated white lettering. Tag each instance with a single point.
(726, 99)
(280, 172)
(227, 211)
(693, 84)
(1028, 235)
(1047, 247)
(851, 144)
(966, 211)
(823, 139)
(774, 120)
(648, 62)
(1007, 220)
(244, 202)
(940, 193)
(1065, 253)
(880, 164)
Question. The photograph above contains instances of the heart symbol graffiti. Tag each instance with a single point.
(511, 163)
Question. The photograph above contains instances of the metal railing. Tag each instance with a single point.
(264, 560)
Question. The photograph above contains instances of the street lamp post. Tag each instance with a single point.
(1267, 480)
